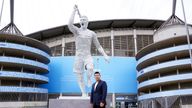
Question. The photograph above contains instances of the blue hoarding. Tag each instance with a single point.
(120, 74)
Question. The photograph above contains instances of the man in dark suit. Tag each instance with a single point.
(98, 92)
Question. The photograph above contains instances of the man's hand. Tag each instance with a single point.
(102, 104)
(107, 59)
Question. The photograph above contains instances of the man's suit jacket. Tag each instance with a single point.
(99, 95)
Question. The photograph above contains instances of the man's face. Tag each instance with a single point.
(97, 77)
(84, 22)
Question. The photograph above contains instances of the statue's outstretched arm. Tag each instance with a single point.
(99, 47)
(71, 26)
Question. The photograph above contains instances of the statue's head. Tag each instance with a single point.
(84, 22)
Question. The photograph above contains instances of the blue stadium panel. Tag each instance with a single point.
(120, 75)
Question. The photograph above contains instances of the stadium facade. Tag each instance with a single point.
(150, 66)
(23, 61)
(121, 39)
(164, 68)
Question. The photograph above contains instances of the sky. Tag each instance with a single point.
(36, 15)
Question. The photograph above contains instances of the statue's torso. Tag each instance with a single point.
(83, 42)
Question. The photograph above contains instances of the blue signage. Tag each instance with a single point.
(120, 74)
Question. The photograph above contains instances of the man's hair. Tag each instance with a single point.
(97, 72)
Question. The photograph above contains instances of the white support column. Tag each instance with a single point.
(34, 84)
(180, 103)
(1, 68)
(61, 95)
(166, 102)
(153, 104)
(187, 32)
(20, 84)
(63, 46)
(22, 69)
(135, 40)
(35, 71)
(112, 42)
(113, 101)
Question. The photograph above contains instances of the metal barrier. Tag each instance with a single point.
(166, 102)
(6, 97)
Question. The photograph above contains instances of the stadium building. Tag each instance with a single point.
(150, 63)
(164, 68)
(121, 39)
(23, 63)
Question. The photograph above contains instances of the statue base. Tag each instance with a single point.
(70, 102)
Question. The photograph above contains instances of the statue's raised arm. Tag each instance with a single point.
(71, 25)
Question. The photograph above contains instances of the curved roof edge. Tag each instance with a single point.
(30, 41)
(101, 24)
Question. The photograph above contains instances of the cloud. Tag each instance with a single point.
(36, 15)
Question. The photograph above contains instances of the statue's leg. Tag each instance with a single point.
(90, 69)
(78, 70)
(81, 83)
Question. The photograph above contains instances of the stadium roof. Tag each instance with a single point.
(173, 20)
(96, 25)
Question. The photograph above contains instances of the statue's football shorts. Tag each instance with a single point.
(82, 63)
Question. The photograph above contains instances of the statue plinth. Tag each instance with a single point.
(70, 102)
